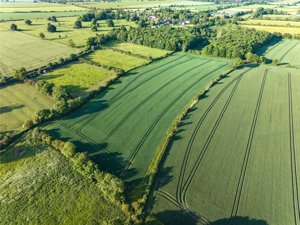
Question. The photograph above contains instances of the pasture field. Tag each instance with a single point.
(116, 59)
(234, 159)
(279, 23)
(37, 15)
(122, 128)
(22, 50)
(18, 103)
(77, 77)
(272, 29)
(37, 183)
(140, 49)
(286, 52)
(37, 7)
(65, 29)
(142, 4)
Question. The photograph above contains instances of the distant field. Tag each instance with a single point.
(21, 50)
(285, 24)
(37, 7)
(286, 52)
(65, 29)
(141, 50)
(141, 4)
(119, 60)
(77, 77)
(122, 128)
(233, 159)
(41, 185)
(272, 29)
(19, 102)
(37, 15)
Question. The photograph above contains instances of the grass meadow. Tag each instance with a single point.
(22, 50)
(235, 151)
(39, 185)
(19, 102)
(140, 49)
(65, 29)
(122, 128)
(116, 59)
(77, 77)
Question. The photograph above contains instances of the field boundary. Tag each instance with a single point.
(156, 163)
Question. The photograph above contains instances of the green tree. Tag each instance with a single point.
(42, 35)
(20, 74)
(13, 27)
(110, 23)
(78, 24)
(71, 43)
(94, 28)
(28, 22)
(51, 28)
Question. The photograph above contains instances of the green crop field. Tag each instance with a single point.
(140, 49)
(122, 128)
(65, 29)
(39, 185)
(273, 29)
(18, 103)
(22, 50)
(37, 7)
(37, 15)
(233, 160)
(286, 52)
(77, 77)
(279, 23)
(116, 59)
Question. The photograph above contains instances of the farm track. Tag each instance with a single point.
(146, 100)
(195, 132)
(284, 55)
(205, 147)
(296, 205)
(137, 106)
(138, 147)
(113, 99)
(240, 185)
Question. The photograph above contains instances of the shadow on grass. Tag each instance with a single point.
(179, 217)
(6, 109)
(263, 49)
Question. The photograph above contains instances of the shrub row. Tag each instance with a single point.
(132, 54)
(111, 187)
(119, 71)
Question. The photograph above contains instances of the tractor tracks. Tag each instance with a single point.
(195, 132)
(295, 190)
(242, 176)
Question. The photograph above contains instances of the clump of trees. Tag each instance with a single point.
(28, 22)
(20, 74)
(13, 27)
(52, 18)
(236, 42)
(51, 28)
(78, 24)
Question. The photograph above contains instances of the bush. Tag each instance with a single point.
(110, 23)
(78, 24)
(44, 87)
(51, 28)
(13, 27)
(28, 22)
(20, 74)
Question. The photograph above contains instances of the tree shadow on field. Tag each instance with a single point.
(180, 217)
(6, 109)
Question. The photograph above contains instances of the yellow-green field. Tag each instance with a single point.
(119, 60)
(140, 50)
(22, 50)
(272, 23)
(18, 103)
(34, 7)
(77, 77)
(65, 29)
(272, 29)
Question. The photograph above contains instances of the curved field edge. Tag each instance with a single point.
(156, 163)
